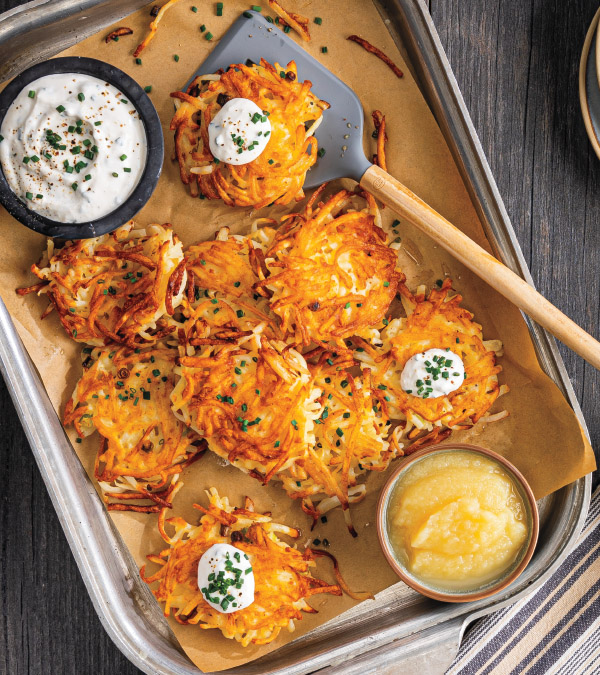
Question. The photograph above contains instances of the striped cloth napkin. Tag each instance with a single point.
(555, 630)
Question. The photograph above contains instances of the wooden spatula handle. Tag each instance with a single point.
(404, 202)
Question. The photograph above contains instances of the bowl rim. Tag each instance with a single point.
(412, 581)
(154, 143)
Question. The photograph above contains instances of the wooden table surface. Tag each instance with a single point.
(517, 65)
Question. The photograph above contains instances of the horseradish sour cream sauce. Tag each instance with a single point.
(73, 148)
(226, 579)
(432, 373)
(239, 132)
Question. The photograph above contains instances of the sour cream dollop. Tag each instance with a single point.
(226, 579)
(239, 132)
(73, 148)
(432, 373)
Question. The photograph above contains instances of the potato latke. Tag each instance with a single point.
(124, 395)
(278, 173)
(435, 321)
(114, 288)
(332, 273)
(282, 575)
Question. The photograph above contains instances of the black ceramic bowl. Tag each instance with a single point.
(154, 158)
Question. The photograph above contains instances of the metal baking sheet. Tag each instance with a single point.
(400, 626)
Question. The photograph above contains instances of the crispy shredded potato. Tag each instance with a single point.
(114, 288)
(282, 575)
(365, 44)
(124, 395)
(277, 175)
(221, 305)
(435, 321)
(296, 21)
(350, 438)
(250, 400)
(153, 27)
(117, 33)
(332, 273)
(314, 428)
(381, 134)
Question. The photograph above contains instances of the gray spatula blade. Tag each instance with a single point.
(253, 37)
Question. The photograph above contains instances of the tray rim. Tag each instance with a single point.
(446, 101)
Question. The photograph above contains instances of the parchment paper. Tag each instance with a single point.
(541, 437)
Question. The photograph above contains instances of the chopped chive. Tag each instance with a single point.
(87, 177)
(76, 150)
(318, 20)
(25, 160)
(286, 29)
(88, 154)
(127, 169)
(29, 195)
(219, 9)
(87, 142)
(123, 158)
(386, 283)
(1, 138)
(115, 174)
(124, 100)
(31, 93)
(208, 36)
(148, 88)
(324, 50)
(69, 169)
(74, 187)
(257, 8)
(60, 108)
(97, 124)
(146, 395)
(321, 152)
(34, 158)
(176, 57)
(81, 96)
(194, 9)
(203, 27)
(138, 61)
(39, 196)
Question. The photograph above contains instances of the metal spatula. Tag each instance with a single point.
(252, 37)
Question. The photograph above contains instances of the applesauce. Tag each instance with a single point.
(456, 520)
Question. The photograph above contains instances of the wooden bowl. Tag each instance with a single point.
(481, 591)
(589, 91)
